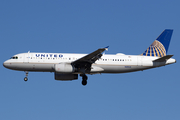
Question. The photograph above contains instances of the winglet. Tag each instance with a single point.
(106, 48)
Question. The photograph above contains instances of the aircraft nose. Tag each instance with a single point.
(6, 64)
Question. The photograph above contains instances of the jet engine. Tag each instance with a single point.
(64, 68)
(65, 77)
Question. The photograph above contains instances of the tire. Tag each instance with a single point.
(25, 79)
(84, 82)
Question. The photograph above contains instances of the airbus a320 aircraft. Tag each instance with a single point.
(68, 66)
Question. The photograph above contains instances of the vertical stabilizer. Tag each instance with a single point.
(160, 46)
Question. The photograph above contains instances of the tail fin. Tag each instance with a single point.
(160, 46)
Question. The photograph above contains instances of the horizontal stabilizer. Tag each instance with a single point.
(163, 58)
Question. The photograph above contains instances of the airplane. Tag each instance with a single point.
(67, 67)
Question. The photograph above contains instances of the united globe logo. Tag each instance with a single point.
(156, 49)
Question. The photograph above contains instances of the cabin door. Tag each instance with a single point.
(26, 58)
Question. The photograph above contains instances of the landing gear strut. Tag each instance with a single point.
(25, 79)
(84, 79)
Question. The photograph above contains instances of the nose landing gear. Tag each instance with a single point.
(26, 79)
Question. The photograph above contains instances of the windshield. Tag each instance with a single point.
(14, 57)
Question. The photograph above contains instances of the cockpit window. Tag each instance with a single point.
(14, 57)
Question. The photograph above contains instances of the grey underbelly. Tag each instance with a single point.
(33, 67)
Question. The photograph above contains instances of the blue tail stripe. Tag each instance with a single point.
(165, 38)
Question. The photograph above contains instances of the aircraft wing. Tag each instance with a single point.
(92, 57)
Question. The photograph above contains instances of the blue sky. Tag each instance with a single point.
(127, 26)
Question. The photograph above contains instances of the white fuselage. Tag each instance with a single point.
(119, 63)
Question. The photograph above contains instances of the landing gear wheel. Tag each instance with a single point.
(25, 79)
(84, 80)
(84, 77)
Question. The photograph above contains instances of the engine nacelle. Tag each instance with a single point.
(65, 77)
(64, 68)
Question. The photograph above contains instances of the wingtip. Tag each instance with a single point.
(107, 47)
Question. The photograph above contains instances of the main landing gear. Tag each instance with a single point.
(25, 79)
(84, 79)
